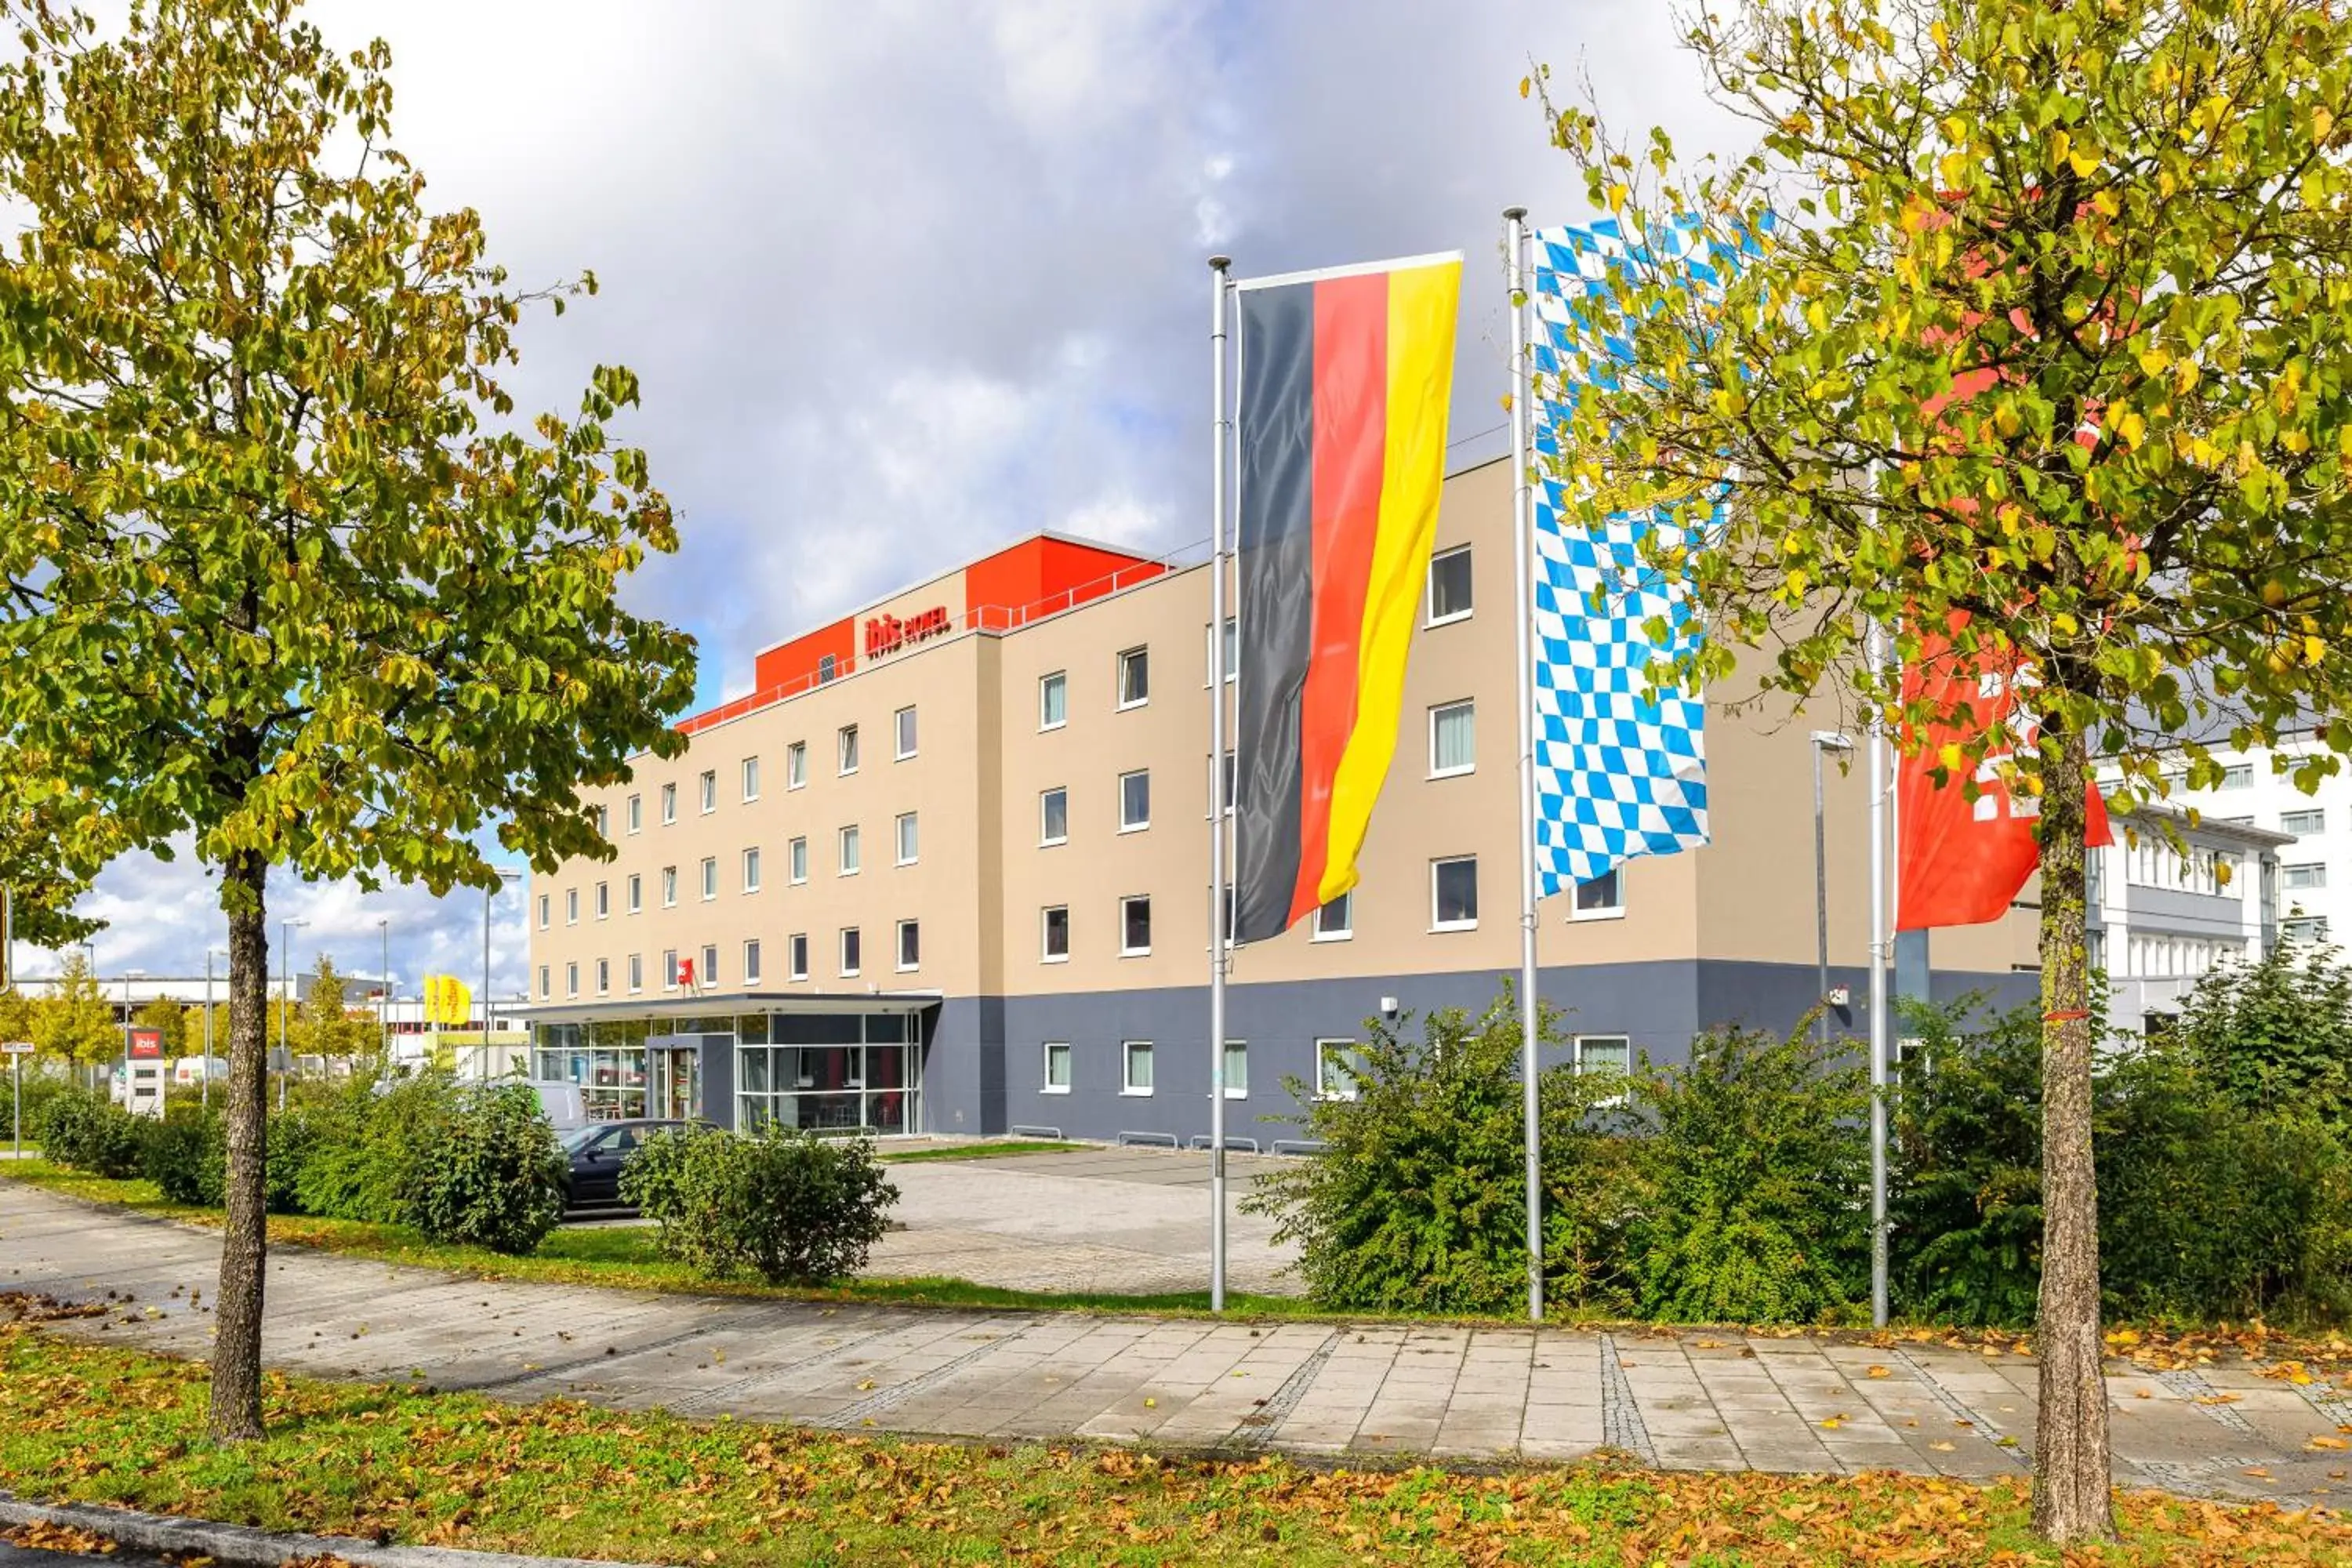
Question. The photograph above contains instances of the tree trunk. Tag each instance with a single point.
(2071, 1476)
(245, 1241)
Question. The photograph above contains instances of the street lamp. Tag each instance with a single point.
(210, 953)
(1824, 741)
(383, 997)
(286, 1003)
(127, 975)
(505, 876)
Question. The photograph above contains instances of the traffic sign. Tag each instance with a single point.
(15, 1048)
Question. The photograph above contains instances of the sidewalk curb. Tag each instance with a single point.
(243, 1546)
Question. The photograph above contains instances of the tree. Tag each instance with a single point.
(323, 1026)
(2048, 346)
(75, 1020)
(169, 1022)
(284, 575)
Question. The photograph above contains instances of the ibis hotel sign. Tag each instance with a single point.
(889, 634)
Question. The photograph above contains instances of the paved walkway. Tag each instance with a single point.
(1691, 1400)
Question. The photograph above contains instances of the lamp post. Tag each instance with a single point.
(383, 997)
(210, 953)
(286, 930)
(1824, 741)
(505, 876)
(127, 975)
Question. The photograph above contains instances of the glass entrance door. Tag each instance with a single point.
(677, 1090)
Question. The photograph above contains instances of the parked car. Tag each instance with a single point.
(596, 1153)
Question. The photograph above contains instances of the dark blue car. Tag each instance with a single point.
(596, 1153)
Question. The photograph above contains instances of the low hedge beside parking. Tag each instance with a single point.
(791, 1207)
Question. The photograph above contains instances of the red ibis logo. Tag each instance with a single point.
(889, 634)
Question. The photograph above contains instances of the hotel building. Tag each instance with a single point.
(946, 870)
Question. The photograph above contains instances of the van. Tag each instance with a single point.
(560, 1102)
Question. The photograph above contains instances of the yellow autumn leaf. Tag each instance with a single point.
(2083, 160)
(1880, 1372)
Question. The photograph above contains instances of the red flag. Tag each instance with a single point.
(1961, 862)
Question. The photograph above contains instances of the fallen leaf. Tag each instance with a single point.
(1880, 1372)
(2327, 1443)
(1941, 1446)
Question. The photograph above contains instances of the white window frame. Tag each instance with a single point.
(907, 838)
(1045, 1068)
(1231, 781)
(670, 803)
(898, 952)
(571, 978)
(849, 850)
(1052, 680)
(1346, 902)
(1439, 709)
(1127, 1050)
(604, 822)
(1124, 825)
(546, 909)
(901, 723)
(1616, 911)
(604, 972)
(669, 886)
(1235, 1050)
(1233, 649)
(846, 754)
(635, 816)
(546, 984)
(796, 765)
(709, 877)
(669, 968)
(1325, 1048)
(636, 892)
(1125, 901)
(751, 779)
(603, 902)
(636, 972)
(2313, 818)
(1624, 1071)
(796, 858)
(707, 791)
(850, 934)
(708, 973)
(1435, 924)
(1047, 840)
(752, 869)
(1138, 656)
(572, 905)
(2316, 869)
(752, 957)
(1046, 954)
(1429, 616)
(796, 956)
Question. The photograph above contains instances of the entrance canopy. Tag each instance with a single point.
(690, 1006)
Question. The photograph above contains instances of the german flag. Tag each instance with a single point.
(1344, 382)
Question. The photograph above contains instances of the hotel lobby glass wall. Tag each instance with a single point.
(607, 1060)
(829, 1071)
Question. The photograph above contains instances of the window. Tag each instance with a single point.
(604, 900)
(603, 822)
(542, 911)
(604, 977)
(709, 972)
(1053, 701)
(1336, 922)
(543, 989)
(796, 765)
(903, 730)
(669, 886)
(1601, 899)
(1454, 893)
(911, 944)
(709, 877)
(1054, 816)
(670, 803)
(636, 972)
(1452, 739)
(636, 892)
(1236, 1069)
(752, 870)
(848, 851)
(846, 745)
(1055, 945)
(1135, 926)
(1232, 651)
(1603, 1053)
(750, 778)
(572, 905)
(1135, 678)
(572, 980)
(850, 953)
(796, 955)
(1449, 585)
(1135, 800)
(669, 968)
(2304, 878)
(910, 842)
(636, 815)
(708, 791)
(1057, 1067)
(796, 861)
(2302, 824)
(1338, 1069)
(2238, 776)
(1138, 1079)
(827, 667)
(751, 961)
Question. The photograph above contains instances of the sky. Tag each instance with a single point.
(907, 279)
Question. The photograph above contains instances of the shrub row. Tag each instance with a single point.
(462, 1163)
(785, 1204)
(1733, 1187)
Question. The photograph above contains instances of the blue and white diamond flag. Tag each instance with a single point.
(1620, 772)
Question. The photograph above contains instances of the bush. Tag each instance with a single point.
(370, 1147)
(1964, 1187)
(1756, 1164)
(2275, 1032)
(83, 1129)
(495, 1179)
(187, 1155)
(790, 1206)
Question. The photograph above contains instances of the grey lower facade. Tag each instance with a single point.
(1134, 1064)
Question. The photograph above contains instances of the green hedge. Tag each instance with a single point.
(785, 1204)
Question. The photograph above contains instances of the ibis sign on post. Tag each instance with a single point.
(146, 1044)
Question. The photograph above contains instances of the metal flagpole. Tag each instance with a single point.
(1522, 577)
(1878, 946)
(1218, 933)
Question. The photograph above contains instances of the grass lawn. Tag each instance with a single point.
(995, 1151)
(98, 1424)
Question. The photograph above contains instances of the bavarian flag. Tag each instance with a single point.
(1344, 380)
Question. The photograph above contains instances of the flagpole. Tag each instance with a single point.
(1878, 946)
(1219, 430)
(1522, 577)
